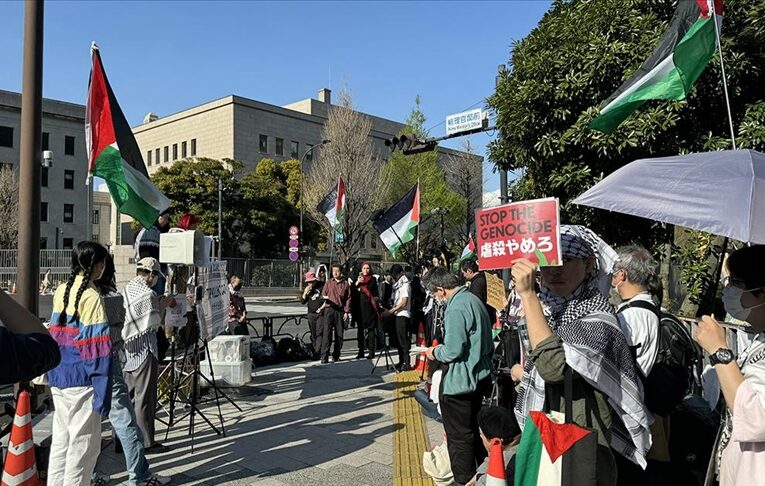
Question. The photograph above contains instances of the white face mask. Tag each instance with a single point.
(731, 298)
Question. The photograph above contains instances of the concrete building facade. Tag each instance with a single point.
(64, 195)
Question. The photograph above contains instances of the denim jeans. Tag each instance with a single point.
(122, 417)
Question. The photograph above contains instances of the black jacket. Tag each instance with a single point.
(478, 287)
(25, 356)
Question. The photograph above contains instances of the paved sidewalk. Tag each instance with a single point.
(301, 424)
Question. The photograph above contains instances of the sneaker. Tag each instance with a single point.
(335, 360)
(99, 480)
(371, 356)
(154, 480)
(156, 448)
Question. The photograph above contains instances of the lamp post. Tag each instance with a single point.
(441, 212)
(302, 199)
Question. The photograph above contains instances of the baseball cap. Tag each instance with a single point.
(149, 263)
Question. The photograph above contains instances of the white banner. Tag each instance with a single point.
(212, 310)
(176, 316)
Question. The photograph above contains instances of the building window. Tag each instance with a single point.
(44, 177)
(43, 243)
(175, 151)
(183, 150)
(263, 145)
(6, 137)
(68, 243)
(373, 242)
(68, 213)
(46, 141)
(156, 157)
(94, 238)
(294, 149)
(68, 179)
(193, 147)
(280, 146)
(364, 241)
(167, 154)
(309, 152)
(148, 157)
(68, 145)
(43, 211)
(96, 216)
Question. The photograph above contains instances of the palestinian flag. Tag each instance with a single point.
(673, 68)
(328, 207)
(398, 224)
(113, 153)
(495, 472)
(340, 210)
(469, 251)
(539, 460)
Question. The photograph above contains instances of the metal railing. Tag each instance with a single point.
(58, 261)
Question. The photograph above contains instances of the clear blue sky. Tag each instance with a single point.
(168, 56)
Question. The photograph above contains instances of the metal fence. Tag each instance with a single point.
(58, 261)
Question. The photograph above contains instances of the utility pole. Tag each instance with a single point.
(503, 198)
(28, 266)
(220, 219)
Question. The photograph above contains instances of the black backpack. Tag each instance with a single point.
(674, 373)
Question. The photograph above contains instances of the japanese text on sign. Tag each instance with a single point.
(463, 122)
(526, 229)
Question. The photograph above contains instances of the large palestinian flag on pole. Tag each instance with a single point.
(113, 153)
(673, 68)
(398, 225)
(340, 211)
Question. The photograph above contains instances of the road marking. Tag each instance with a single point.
(410, 438)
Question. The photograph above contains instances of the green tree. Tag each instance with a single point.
(291, 171)
(561, 72)
(403, 171)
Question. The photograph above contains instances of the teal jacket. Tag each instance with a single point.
(467, 347)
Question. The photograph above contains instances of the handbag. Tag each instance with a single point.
(553, 449)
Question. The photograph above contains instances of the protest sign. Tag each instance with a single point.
(495, 291)
(176, 316)
(524, 229)
(212, 310)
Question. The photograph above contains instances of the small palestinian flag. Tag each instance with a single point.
(673, 68)
(539, 460)
(469, 251)
(398, 224)
(495, 472)
(340, 210)
(113, 153)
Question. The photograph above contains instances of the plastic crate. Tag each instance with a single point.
(229, 374)
(229, 349)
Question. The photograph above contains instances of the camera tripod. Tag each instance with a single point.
(385, 352)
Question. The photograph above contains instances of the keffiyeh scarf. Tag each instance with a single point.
(595, 348)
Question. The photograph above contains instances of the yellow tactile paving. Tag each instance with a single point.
(410, 438)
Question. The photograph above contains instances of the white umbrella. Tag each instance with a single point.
(722, 192)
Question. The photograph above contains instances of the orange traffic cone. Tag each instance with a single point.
(20, 464)
(495, 473)
(421, 342)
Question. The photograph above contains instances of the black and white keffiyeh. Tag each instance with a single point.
(595, 347)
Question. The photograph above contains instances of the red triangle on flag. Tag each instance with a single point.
(557, 438)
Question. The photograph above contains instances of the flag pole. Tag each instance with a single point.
(722, 69)
(417, 244)
(331, 246)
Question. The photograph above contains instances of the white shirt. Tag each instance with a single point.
(641, 328)
(402, 289)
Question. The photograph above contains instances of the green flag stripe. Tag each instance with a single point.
(528, 457)
(671, 79)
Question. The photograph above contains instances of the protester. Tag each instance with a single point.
(497, 423)
(142, 320)
(45, 285)
(467, 351)
(740, 457)
(583, 336)
(401, 312)
(477, 285)
(321, 272)
(237, 309)
(27, 349)
(147, 245)
(368, 311)
(128, 435)
(188, 222)
(311, 297)
(80, 385)
(336, 310)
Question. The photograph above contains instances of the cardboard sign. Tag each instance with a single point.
(524, 229)
(495, 291)
(212, 310)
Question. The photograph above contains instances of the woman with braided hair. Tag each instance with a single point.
(572, 329)
(80, 385)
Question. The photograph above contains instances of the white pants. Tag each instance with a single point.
(76, 440)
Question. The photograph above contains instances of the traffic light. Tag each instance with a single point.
(409, 144)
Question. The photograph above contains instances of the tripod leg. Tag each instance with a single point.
(215, 388)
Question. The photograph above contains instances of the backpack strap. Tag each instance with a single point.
(642, 304)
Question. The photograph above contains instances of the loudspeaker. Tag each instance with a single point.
(183, 248)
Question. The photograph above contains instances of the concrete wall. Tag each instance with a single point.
(60, 119)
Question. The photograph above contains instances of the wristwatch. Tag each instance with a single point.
(721, 356)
